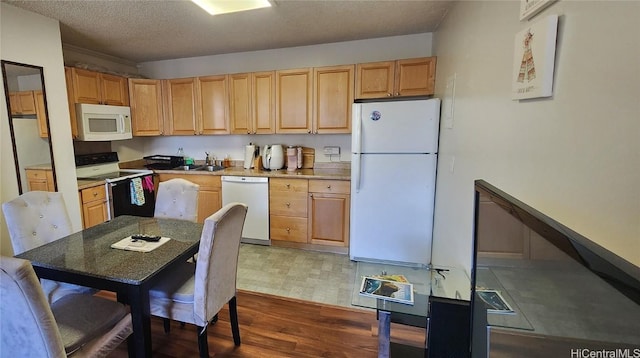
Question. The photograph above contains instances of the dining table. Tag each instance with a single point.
(86, 258)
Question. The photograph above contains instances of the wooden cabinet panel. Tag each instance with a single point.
(209, 193)
(415, 77)
(72, 109)
(213, 105)
(86, 86)
(288, 204)
(41, 114)
(40, 179)
(329, 186)
(329, 219)
(94, 206)
(294, 101)
(401, 78)
(180, 109)
(263, 102)
(146, 107)
(22, 103)
(288, 185)
(375, 79)
(285, 228)
(333, 99)
(114, 90)
(240, 103)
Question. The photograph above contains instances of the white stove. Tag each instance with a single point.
(129, 191)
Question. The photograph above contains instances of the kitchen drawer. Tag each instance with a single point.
(289, 185)
(330, 186)
(288, 228)
(286, 204)
(93, 194)
(205, 181)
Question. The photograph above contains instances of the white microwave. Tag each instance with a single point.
(98, 122)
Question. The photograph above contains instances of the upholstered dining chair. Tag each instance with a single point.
(36, 218)
(177, 199)
(195, 293)
(76, 325)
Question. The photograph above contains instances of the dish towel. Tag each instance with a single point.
(137, 193)
(147, 183)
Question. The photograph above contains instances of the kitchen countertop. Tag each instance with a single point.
(316, 173)
(328, 171)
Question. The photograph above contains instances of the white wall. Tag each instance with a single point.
(29, 38)
(351, 52)
(574, 156)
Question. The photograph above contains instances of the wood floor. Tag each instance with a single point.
(273, 326)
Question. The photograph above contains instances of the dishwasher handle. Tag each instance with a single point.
(248, 180)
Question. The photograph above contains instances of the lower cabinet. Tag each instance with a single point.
(312, 212)
(329, 203)
(94, 206)
(40, 179)
(209, 194)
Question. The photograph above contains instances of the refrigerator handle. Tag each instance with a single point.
(356, 166)
(356, 142)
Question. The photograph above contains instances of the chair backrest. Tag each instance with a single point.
(216, 268)
(36, 218)
(177, 199)
(28, 327)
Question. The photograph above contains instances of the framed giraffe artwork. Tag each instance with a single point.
(534, 58)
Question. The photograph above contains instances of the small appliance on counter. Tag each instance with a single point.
(294, 158)
(163, 162)
(272, 157)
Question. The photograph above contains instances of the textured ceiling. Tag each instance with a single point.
(141, 31)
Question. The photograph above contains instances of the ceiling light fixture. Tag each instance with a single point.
(217, 7)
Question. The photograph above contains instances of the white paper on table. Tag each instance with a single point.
(140, 245)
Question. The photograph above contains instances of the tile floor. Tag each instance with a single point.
(307, 275)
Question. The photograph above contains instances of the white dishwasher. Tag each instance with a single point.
(253, 192)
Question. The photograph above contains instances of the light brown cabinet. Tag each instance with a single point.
(99, 88)
(288, 209)
(332, 99)
(70, 101)
(294, 100)
(329, 203)
(310, 212)
(147, 118)
(212, 105)
(40, 179)
(252, 102)
(180, 106)
(41, 114)
(401, 78)
(22, 103)
(94, 206)
(209, 193)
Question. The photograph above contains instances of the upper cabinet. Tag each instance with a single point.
(146, 107)
(41, 114)
(252, 102)
(99, 88)
(22, 103)
(294, 100)
(332, 99)
(180, 106)
(212, 105)
(408, 77)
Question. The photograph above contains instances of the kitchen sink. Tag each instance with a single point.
(204, 168)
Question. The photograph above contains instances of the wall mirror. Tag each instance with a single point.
(29, 126)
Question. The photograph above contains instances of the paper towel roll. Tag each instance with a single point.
(248, 156)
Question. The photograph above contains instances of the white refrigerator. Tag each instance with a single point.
(393, 174)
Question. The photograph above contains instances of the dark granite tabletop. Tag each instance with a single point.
(89, 251)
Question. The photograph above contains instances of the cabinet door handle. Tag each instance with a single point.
(95, 194)
(248, 132)
(288, 230)
(389, 94)
(288, 205)
(329, 187)
(288, 186)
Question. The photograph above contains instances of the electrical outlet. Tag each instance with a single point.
(331, 150)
